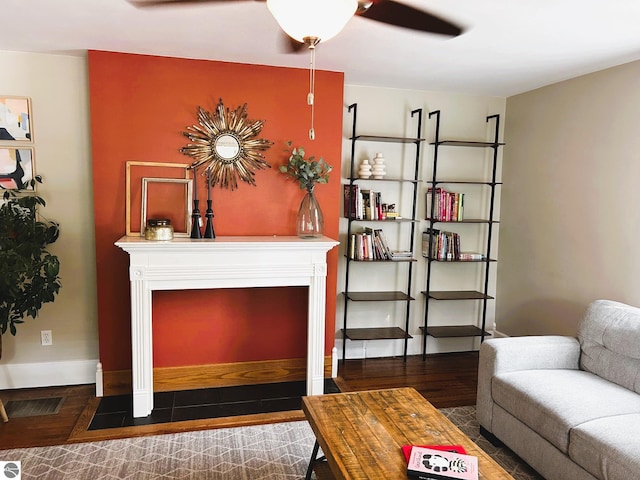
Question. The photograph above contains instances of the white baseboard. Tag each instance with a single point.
(498, 334)
(49, 374)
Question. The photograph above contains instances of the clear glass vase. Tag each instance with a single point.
(310, 222)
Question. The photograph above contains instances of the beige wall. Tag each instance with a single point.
(57, 86)
(570, 227)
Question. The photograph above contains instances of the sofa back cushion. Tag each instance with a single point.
(609, 338)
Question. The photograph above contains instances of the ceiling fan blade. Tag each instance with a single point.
(156, 3)
(394, 13)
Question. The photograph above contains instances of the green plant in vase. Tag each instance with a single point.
(29, 271)
(307, 172)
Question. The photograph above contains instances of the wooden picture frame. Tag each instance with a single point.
(16, 120)
(148, 166)
(17, 167)
(188, 194)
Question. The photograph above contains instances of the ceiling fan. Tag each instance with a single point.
(309, 22)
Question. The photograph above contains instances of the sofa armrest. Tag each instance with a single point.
(501, 355)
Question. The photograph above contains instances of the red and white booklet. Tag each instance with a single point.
(406, 449)
(430, 464)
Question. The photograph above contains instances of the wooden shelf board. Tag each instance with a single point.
(455, 331)
(381, 333)
(403, 260)
(466, 220)
(377, 296)
(458, 295)
(389, 220)
(464, 143)
(462, 261)
(383, 138)
(464, 182)
(385, 179)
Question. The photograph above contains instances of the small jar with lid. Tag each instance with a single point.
(158, 229)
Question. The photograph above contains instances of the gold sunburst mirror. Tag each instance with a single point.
(225, 141)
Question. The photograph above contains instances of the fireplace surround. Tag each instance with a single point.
(223, 262)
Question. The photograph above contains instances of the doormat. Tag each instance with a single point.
(33, 407)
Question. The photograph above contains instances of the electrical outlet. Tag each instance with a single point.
(45, 337)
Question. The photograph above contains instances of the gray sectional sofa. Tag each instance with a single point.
(569, 407)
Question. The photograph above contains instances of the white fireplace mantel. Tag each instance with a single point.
(223, 262)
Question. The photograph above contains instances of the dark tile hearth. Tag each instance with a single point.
(117, 411)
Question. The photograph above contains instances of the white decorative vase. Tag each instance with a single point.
(365, 169)
(378, 169)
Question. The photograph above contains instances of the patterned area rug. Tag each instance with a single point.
(465, 419)
(278, 451)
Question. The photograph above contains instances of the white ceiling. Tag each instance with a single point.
(510, 46)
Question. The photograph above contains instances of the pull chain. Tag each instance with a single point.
(312, 42)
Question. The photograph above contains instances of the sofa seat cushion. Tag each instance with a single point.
(552, 402)
(608, 447)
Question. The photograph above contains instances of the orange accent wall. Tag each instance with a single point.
(140, 105)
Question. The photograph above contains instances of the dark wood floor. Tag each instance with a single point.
(446, 380)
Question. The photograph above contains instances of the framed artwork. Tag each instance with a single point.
(16, 167)
(15, 119)
(181, 217)
(135, 171)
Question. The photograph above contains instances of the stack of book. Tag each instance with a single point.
(471, 256)
(366, 205)
(447, 206)
(402, 255)
(444, 245)
(370, 244)
(372, 203)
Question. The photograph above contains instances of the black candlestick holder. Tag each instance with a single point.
(208, 229)
(195, 220)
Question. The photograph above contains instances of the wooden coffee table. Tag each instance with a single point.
(361, 433)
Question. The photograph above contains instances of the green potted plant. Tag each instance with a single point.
(29, 271)
(307, 172)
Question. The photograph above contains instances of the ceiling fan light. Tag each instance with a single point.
(322, 19)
